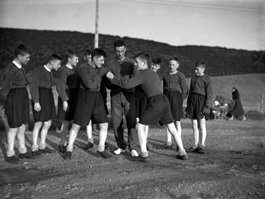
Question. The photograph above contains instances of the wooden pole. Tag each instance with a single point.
(96, 24)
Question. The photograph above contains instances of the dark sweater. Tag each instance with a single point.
(13, 77)
(90, 78)
(147, 79)
(176, 82)
(67, 79)
(124, 68)
(42, 78)
(202, 85)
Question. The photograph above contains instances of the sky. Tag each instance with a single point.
(238, 24)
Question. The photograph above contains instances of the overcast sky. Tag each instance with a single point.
(236, 24)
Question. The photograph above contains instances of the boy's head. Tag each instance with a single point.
(141, 61)
(87, 55)
(156, 64)
(71, 57)
(22, 54)
(98, 57)
(55, 61)
(119, 49)
(173, 64)
(200, 68)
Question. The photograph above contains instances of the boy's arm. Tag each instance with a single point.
(184, 86)
(88, 79)
(125, 82)
(209, 94)
(7, 85)
(61, 85)
(34, 86)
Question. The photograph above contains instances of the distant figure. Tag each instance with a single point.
(237, 111)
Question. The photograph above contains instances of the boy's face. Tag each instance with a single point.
(73, 60)
(56, 64)
(24, 59)
(120, 52)
(88, 58)
(173, 65)
(140, 64)
(155, 67)
(98, 61)
(199, 71)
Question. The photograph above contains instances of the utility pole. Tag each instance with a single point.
(96, 25)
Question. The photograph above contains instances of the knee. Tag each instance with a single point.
(37, 125)
(47, 123)
(104, 126)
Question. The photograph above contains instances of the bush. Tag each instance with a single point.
(255, 115)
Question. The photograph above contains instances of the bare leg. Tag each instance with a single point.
(195, 129)
(142, 139)
(44, 132)
(21, 138)
(35, 135)
(103, 131)
(72, 136)
(203, 130)
(89, 132)
(64, 130)
(11, 137)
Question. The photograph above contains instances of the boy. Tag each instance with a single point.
(43, 103)
(198, 106)
(14, 96)
(67, 88)
(176, 89)
(90, 104)
(157, 109)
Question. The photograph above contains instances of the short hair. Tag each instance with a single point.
(70, 53)
(201, 64)
(119, 43)
(87, 52)
(98, 52)
(174, 59)
(22, 50)
(143, 56)
(54, 57)
(156, 60)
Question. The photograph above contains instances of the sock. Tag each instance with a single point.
(169, 143)
(10, 153)
(144, 154)
(23, 150)
(91, 140)
(42, 145)
(70, 148)
(34, 147)
(101, 148)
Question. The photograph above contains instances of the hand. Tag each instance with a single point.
(37, 107)
(65, 106)
(206, 111)
(110, 75)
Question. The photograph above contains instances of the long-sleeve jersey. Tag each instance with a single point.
(202, 85)
(42, 78)
(14, 77)
(90, 78)
(147, 79)
(176, 82)
(120, 69)
(67, 79)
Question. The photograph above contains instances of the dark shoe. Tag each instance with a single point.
(193, 149)
(147, 147)
(201, 150)
(107, 147)
(62, 149)
(103, 154)
(165, 146)
(36, 153)
(12, 159)
(27, 155)
(89, 146)
(182, 157)
(67, 155)
(141, 159)
(46, 150)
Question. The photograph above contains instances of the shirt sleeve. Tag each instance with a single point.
(34, 86)
(127, 83)
(61, 85)
(209, 94)
(184, 86)
(7, 84)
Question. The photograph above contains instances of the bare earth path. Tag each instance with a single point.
(233, 167)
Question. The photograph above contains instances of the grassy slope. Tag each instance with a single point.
(250, 86)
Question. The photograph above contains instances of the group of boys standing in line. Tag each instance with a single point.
(135, 91)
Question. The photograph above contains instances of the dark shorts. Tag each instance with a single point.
(157, 110)
(175, 101)
(46, 101)
(195, 105)
(141, 103)
(69, 114)
(17, 107)
(90, 105)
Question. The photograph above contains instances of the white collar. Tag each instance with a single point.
(69, 66)
(47, 68)
(17, 65)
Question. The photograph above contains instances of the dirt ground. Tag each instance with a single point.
(233, 167)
